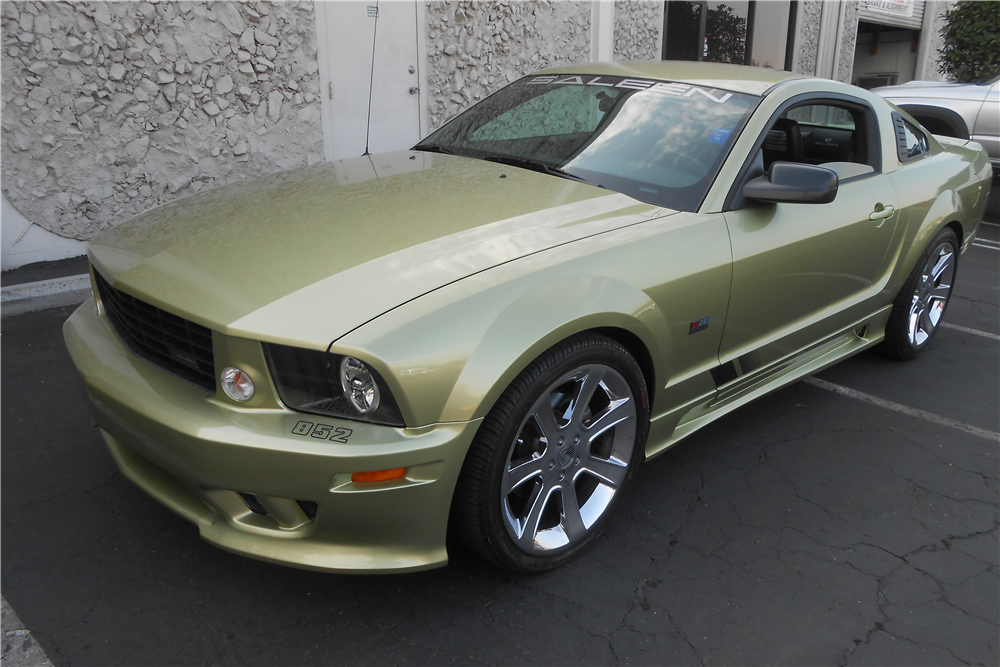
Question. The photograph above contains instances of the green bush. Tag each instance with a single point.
(971, 51)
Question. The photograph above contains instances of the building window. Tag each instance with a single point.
(739, 32)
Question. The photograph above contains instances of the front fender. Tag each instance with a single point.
(540, 318)
(449, 355)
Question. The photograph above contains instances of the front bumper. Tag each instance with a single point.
(194, 452)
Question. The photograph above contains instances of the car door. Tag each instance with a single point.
(801, 272)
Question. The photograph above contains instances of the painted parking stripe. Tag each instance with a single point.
(991, 224)
(903, 409)
(988, 247)
(986, 241)
(974, 332)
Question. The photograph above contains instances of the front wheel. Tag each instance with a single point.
(553, 457)
(919, 308)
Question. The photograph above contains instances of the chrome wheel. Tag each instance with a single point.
(931, 293)
(569, 459)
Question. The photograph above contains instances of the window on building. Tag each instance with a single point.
(741, 32)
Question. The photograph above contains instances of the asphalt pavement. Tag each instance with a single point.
(811, 528)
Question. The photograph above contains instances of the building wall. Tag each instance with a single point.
(807, 30)
(848, 41)
(638, 30)
(931, 41)
(474, 48)
(112, 108)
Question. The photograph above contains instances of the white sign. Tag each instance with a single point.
(898, 8)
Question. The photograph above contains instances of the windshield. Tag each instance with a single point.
(659, 142)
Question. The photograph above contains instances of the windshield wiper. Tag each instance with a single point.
(434, 148)
(533, 166)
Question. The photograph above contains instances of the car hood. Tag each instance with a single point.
(304, 256)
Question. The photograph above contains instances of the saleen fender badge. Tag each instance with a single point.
(700, 325)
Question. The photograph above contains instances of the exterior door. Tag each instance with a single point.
(804, 271)
(370, 76)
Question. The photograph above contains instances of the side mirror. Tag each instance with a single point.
(794, 183)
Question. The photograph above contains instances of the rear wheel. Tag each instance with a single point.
(920, 306)
(551, 460)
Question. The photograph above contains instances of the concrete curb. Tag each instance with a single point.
(45, 294)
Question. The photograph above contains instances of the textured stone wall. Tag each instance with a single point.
(848, 41)
(810, 13)
(638, 24)
(110, 108)
(928, 69)
(474, 48)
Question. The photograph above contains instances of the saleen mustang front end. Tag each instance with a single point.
(332, 367)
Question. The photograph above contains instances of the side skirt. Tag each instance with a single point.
(670, 428)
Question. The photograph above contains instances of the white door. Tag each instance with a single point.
(373, 105)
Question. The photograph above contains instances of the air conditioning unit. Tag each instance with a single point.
(870, 81)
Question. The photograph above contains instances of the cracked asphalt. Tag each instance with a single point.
(806, 529)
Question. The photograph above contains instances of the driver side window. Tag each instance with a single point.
(824, 133)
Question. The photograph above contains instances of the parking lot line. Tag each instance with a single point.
(988, 247)
(903, 409)
(991, 224)
(974, 332)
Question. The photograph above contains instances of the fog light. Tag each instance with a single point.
(237, 384)
(378, 475)
(359, 385)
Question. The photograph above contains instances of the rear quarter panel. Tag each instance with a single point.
(948, 186)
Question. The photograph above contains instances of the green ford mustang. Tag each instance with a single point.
(332, 367)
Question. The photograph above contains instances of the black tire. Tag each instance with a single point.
(904, 341)
(487, 500)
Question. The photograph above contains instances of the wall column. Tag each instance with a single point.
(602, 31)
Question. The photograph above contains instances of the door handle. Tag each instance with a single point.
(883, 214)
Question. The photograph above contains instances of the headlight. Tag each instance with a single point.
(330, 384)
(359, 385)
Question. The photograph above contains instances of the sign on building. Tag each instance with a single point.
(903, 8)
(906, 14)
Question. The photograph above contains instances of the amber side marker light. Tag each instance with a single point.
(378, 475)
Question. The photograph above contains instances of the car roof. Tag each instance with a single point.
(737, 78)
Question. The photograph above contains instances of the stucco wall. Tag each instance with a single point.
(848, 41)
(638, 24)
(474, 48)
(927, 66)
(111, 108)
(810, 13)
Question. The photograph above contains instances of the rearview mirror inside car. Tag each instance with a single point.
(794, 183)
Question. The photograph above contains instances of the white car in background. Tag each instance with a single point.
(962, 110)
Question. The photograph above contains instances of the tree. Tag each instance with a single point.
(727, 35)
(971, 51)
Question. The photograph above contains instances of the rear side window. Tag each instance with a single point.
(910, 142)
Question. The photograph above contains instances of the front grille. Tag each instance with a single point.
(180, 347)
